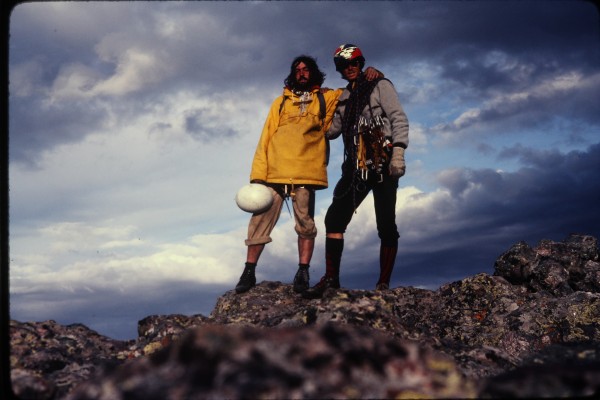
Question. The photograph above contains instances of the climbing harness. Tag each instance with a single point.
(287, 195)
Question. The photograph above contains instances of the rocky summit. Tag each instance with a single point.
(532, 329)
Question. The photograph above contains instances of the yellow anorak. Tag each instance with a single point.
(292, 146)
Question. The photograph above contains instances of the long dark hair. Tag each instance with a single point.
(316, 76)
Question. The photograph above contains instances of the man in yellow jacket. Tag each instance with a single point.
(291, 160)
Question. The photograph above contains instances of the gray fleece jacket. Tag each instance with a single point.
(384, 102)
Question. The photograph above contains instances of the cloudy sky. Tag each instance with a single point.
(133, 124)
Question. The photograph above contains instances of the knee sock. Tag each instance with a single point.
(333, 257)
(387, 258)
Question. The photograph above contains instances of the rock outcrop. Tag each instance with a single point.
(532, 329)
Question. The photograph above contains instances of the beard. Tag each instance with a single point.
(302, 86)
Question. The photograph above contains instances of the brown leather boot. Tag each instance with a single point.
(317, 291)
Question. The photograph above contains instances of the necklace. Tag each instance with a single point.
(303, 99)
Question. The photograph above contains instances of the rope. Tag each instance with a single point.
(354, 146)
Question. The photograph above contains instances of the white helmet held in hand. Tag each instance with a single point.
(254, 198)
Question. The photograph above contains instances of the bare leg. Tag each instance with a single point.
(254, 252)
(305, 250)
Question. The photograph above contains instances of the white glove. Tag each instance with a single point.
(397, 165)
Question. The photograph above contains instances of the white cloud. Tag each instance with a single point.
(510, 104)
(134, 69)
(418, 141)
(76, 255)
(134, 207)
(74, 81)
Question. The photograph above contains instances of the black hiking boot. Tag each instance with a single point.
(247, 280)
(302, 279)
(317, 291)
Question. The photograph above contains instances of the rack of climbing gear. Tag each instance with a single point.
(372, 147)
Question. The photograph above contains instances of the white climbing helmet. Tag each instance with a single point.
(254, 198)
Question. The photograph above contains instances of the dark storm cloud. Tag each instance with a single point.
(486, 212)
(222, 47)
(550, 196)
(481, 57)
(553, 32)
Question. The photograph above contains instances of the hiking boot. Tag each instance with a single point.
(247, 280)
(301, 280)
(382, 286)
(317, 291)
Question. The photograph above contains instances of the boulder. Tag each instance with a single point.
(531, 329)
(244, 361)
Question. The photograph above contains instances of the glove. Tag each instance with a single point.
(397, 166)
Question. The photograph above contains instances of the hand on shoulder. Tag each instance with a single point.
(372, 73)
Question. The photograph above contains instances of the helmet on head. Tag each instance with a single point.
(347, 53)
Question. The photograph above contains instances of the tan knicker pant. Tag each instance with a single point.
(261, 225)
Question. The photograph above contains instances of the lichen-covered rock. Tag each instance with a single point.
(515, 326)
(498, 334)
(273, 304)
(559, 268)
(158, 331)
(268, 304)
(570, 370)
(331, 361)
(48, 359)
(516, 264)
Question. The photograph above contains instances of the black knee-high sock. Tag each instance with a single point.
(333, 257)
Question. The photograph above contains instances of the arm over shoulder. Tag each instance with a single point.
(331, 101)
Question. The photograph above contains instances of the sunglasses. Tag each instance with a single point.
(353, 63)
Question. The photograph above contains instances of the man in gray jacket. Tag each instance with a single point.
(374, 128)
